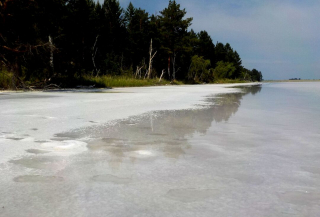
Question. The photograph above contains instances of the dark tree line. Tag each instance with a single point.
(40, 40)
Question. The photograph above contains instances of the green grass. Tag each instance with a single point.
(103, 81)
(228, 81)
(6, 80)
(122, 81)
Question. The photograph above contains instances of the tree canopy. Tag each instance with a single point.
(54, 39)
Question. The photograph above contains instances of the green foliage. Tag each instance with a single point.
(256, 75)
(205, 47)
(245, 74)
(224, 70)
(251, 75)
(226, 53)
(6, 80)
(173, 29)
(66, 40)
(199, 69)
(228, 81)
(138, 35)
(123, 81)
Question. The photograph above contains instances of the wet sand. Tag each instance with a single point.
(195, 151)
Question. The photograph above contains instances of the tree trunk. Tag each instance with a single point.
(161, 75)
(94, 53)
(51, 55)
(174, 66)
(150, 59)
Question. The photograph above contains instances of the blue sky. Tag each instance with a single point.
(279, 38)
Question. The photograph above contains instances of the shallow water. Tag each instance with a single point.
(251, 153)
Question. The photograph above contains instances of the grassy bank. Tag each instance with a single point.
(6, 81)
(122, 81)
(110, 81)
(229, 81)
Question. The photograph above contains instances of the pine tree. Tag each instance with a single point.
(206, 47)
(113, 36)
(138, 36)
(21, 40)
(174, 32)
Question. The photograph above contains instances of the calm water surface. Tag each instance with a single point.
(252, 153)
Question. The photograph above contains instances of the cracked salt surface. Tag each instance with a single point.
(237, 154)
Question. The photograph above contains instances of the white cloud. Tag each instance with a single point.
(271, 32)
(280, 38)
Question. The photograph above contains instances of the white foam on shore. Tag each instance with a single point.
(66, 147)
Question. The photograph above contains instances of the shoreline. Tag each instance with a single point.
(45, 114)
(113, 88)
(284, 81)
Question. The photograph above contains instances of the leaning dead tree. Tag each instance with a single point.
(138, 71)
(150, 59)
(162, 73)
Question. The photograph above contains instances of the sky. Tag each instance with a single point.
(279, 38)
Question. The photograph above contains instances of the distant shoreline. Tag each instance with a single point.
(276, 81)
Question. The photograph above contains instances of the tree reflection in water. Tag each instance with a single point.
(163, 132)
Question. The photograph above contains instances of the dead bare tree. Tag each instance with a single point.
(150, 59)
(138, 71)
(51, 46)
(163, 71)
(145, 75)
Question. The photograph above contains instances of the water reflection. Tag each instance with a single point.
(250, 89)
(163, 132)
(160, 133)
